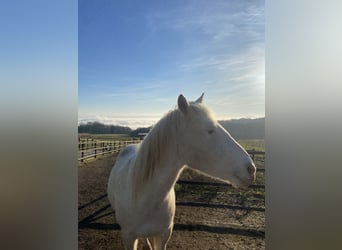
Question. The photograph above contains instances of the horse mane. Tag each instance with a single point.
(153, 145)
(157, 141)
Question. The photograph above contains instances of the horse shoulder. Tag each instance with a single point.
(120, 171)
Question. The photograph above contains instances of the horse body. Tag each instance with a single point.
(141, 184)
(149, 215)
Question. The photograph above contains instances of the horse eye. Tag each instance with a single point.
(210, 131)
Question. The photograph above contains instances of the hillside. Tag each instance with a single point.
(245, 128)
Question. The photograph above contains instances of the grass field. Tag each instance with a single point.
(256, 144)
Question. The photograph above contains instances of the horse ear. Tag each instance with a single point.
(182, 104)
(200, 99)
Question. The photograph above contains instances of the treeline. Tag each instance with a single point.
(99, 128)
(239, 128)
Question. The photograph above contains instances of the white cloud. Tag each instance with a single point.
(217, 20)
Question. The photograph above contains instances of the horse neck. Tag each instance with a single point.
(165, 174)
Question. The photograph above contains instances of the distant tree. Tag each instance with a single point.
(99, 128)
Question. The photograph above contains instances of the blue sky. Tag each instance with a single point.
(136, 57)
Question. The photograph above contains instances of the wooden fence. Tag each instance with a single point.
(89, 148)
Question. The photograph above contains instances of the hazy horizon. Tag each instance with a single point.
(135, 122)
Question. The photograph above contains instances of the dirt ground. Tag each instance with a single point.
(207, 216)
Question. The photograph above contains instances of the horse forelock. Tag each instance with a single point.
(200, 111)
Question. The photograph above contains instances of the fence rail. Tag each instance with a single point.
(92, 148)
(88, 148)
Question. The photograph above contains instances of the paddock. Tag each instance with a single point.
(209, 214)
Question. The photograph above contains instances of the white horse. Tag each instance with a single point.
(141, 184)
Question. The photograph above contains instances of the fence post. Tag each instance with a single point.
(82, 152)
(95, 149)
